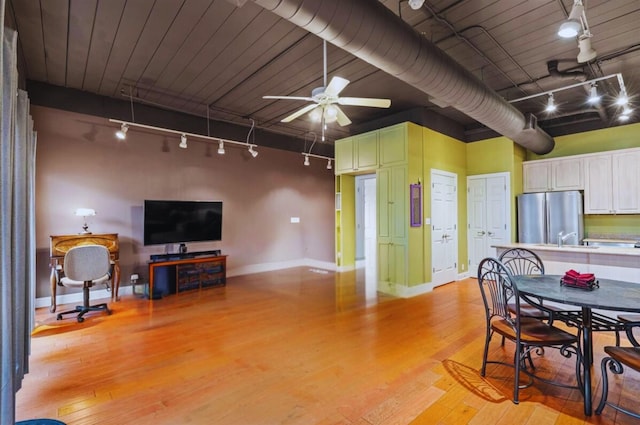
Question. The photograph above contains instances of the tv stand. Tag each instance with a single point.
(184, 256)
(175, 273)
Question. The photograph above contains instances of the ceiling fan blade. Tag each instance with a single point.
(342, 117)
(365, 101)
(300, 112)
(336, 85)
(308, 99)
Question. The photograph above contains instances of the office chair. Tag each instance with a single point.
(84, 267)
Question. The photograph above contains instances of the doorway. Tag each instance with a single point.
(366, 230)
(488, 215)
(444, 231)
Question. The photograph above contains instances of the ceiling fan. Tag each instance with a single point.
(326, 100)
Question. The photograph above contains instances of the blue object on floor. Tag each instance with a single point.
(40, 422)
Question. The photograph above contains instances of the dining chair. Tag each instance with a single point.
(631, 322)
(521, 261)
(618, 358)
(528, 334)
(84, 267)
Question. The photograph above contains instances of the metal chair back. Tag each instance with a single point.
(521, 261)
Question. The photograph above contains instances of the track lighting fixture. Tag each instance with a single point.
(124, 125)
(586, 52)
(122, 133)
(625, 114)
(416, 4)
(308, 156)
(576, 26)
(573, 25)
(594, 97)
(621, 100)
(551, 106)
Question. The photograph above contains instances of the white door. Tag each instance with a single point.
(444, 232)
(488, 215)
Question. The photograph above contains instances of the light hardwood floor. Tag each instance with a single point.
(290, 347)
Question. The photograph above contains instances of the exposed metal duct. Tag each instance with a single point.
(373, 33)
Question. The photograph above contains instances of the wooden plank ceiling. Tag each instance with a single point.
(185, 55)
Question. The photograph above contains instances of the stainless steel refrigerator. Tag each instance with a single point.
(542, 216)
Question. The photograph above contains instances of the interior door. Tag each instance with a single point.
(444, 232)
(488, 216)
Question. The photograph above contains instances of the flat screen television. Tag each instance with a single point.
(169, 222)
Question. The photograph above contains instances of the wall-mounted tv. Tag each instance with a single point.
(168, 222)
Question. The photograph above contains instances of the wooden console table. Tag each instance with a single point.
(59, 245)
(193, 272)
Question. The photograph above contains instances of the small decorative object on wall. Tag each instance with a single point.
(415, 203)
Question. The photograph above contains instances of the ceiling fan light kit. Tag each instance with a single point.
(327, 98)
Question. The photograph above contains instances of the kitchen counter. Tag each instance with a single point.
(603, 261)
(595, 250)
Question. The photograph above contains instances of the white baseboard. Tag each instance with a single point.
(268, 267)
(98, 294)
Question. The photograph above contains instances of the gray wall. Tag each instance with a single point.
(81, 164)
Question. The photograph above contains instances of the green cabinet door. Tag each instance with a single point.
(392, 199)
(344, 155)
(393, 145)
(366, 146)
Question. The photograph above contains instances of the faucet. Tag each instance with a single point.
(562, 238)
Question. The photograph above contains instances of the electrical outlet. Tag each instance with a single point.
(462, 266)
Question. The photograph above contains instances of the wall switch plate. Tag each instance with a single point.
(295, 219)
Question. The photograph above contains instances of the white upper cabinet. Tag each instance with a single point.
(553, 174)
(598, 197)
(612, 183)
(536, 176)
(610, 180)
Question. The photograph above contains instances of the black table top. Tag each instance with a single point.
(610, 295)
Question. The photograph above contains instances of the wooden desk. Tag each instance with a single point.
(59, 245)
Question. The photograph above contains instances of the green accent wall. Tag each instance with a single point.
(447, 154)
(622, 137)
(498, 155)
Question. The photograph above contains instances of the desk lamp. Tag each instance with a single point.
(84, 213)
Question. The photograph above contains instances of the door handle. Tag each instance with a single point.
(491, 234)
(480, 233)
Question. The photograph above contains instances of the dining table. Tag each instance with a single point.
(607, 294)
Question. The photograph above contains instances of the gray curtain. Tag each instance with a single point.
(17, 229)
